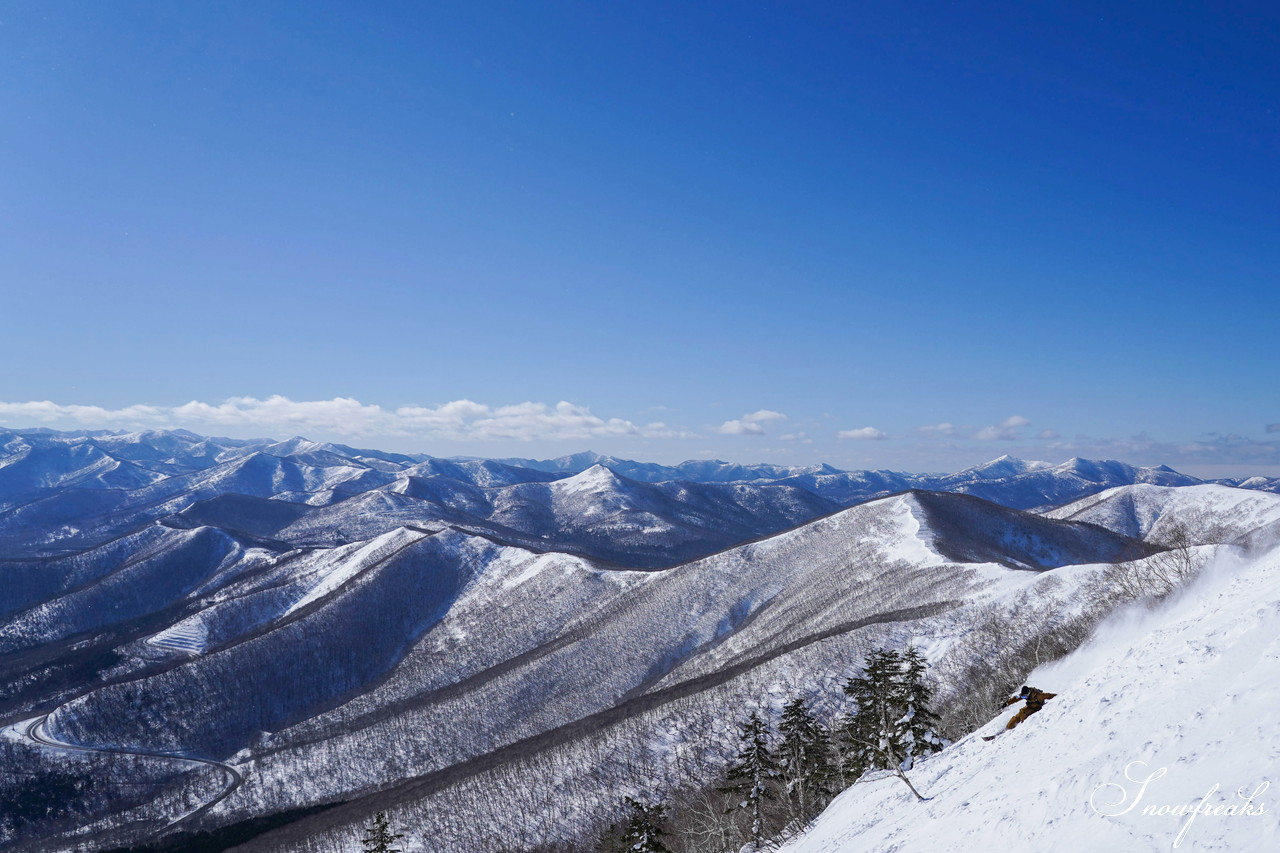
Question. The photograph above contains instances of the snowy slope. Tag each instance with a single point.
(62, 493)
(1207, 513)
(583, 658)
(287, 606)
(1024, 485)
(1184, 696)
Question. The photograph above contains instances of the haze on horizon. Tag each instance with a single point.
(914, 237)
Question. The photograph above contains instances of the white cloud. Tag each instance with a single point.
(1048, 434)
(342, 415)
(863, 434)
(739, 427)
(944, 428)
(46, 411)
(749, 424)
(764, 415)
(457, 420)
(1006, 430)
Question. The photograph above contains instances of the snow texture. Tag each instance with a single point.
(1183, 696)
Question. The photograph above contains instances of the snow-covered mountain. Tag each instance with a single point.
(322, 632)
(65, 494)
(1160, 737)
(1207, 513)
(486, 649)
(62, 493)
(1012, 482)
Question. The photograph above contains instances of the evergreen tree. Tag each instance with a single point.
(916, 731)
(804, 759)
(846, 750)
(753, 777)
(877, 697)
(892, 723)
(643, 832)
(379, 837)
(611, 839)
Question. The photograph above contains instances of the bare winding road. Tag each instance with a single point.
(34, 730)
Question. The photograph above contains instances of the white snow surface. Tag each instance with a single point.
(190, 636)
(1209, 513)
(351, 560)
(1184, 696)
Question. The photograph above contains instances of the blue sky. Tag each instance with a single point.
(908, 235)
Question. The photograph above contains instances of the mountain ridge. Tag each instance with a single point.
(287, 614)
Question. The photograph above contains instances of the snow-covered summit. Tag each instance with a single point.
(1003, 466)
(597, 478)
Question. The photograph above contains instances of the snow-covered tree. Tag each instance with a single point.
(877, 699)
(846, 753)
(916, 731)
(753, 777)
(379, 837)
(892, 722)
(643, 831)
(804, 759)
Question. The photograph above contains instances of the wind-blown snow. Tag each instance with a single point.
(1184, 697)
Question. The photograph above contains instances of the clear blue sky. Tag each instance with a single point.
(867, 217)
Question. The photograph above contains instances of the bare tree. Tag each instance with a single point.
(704, 822)
(1158, 575)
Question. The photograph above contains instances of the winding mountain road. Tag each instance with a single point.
(34, 730)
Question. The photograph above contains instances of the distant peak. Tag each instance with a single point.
(600, 473)
(297, 444)
(1002, 466)
(1093, 466)
(586, 457)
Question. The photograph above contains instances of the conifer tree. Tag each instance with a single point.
(846, 750)
(916, 731)
(752, 778)
(643, 832)
(804, 759)
(379, 837)
(877, 699)
(892, 723)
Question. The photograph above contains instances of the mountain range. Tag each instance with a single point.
(65, 492)
(256, 645)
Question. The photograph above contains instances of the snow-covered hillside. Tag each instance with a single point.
(1205, 513)
(1164, 711)
(326, 632)
(64, 493)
